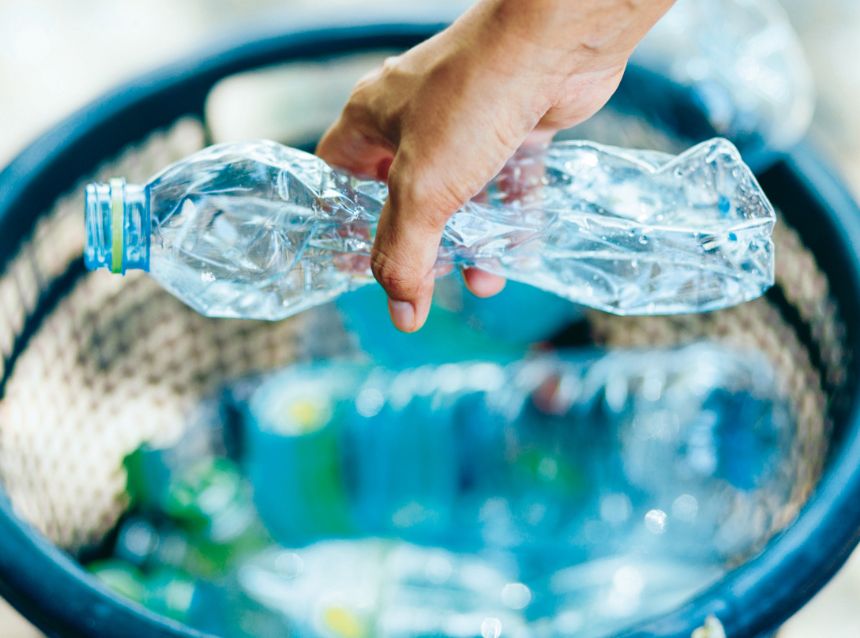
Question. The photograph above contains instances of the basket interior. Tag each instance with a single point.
(93, 365)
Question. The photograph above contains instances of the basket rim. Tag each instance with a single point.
(53, 591)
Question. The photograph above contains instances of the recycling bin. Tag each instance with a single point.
(92, 366)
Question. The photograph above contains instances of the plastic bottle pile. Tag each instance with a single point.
(463, 484)
(571, 492)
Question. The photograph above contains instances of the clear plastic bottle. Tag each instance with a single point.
(744, 63)
(425, 454)
(259, 230)
(615, 484)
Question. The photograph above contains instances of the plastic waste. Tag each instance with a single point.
(744, 63)
(659, 447)
(571, 494)
(259, 230)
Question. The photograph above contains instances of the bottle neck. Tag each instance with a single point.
(118, 226)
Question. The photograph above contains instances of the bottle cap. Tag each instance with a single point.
(117, 226)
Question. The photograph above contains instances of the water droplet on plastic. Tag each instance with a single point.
(655, 521)
(516, 596)
(491, 628)
(685, 508)
(615, 508)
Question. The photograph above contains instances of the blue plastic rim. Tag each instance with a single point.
(50, 588)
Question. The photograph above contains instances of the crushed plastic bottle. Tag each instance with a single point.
(259, 230)
(570, 494)
(745, 64)
(613, 485)
(669, 447)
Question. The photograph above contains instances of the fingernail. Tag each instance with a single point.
(402, 314)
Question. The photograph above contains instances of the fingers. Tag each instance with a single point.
(412, 220)
(347, 145)
(481, 283)
(518, 179)
(444, 131)
(540, 138)
(405, 251)
(402, 262)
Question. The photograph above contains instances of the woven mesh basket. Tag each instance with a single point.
(119, 361)
(114, 362)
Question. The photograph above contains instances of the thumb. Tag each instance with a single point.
(407, 244)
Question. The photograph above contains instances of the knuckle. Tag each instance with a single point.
(368, 79)
(360, 102)
(355, 109)
(371, 100)
(397, 280)
(424, 196)
(390, 64)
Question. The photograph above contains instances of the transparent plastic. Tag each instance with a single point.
(259, 230)
(744, 62)
(571, 494)
(329, 453)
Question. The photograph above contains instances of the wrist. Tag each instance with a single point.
(573, 36)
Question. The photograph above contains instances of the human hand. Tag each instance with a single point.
(439, 121)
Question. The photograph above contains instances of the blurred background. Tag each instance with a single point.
(57, 56)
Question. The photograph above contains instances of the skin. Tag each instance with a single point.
(440, 121)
